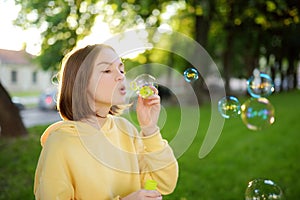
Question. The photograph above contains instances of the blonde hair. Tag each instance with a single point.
(74, 76)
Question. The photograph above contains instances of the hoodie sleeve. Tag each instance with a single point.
(159, 163)
(156, 158)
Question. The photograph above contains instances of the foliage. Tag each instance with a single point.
(255, 26)
(235, 33)
(63, 23)
(239, 156)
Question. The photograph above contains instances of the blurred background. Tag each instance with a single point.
(239, 36)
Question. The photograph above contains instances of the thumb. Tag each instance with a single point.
(140, 100)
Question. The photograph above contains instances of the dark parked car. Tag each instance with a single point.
(47, 100)
(18, 103)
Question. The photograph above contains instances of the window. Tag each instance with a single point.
(14, 76)
(34, 77)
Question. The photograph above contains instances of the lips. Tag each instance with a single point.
(122, 90)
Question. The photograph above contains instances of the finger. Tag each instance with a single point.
(153, 198)
(154, 96)
(154, 99)
(155, 90)
(152, 193)
(150, 102)
(153, 102)
(140, 99)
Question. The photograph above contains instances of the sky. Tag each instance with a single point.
(14, 38)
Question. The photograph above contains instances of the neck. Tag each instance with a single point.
(96, 121)
(102, 110)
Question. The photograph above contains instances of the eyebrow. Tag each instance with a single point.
(108, 63)
(121, 64)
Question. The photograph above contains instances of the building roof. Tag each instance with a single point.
(15, 57)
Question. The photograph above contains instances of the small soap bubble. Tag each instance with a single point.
(260, 84)
(257, 113)
(191, 74)
(143, 85)
(54, 79)
(229, 106)
(263, 189)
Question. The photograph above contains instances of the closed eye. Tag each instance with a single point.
(107, 71)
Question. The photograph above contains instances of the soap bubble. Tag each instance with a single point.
(191, 74)
(229, 106)
(143, 84)
(260, 85)
(257, 113)
(54, 79)
(263, 189)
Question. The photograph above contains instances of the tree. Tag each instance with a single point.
(148, 13)
(64, 23)
(252, 29)
(242, 28)
(11, 124)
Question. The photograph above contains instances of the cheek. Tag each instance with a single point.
(104, 88)
(93, 86)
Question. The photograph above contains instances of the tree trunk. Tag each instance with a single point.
(201, 36)
(226, 60)
(227, 54)
(11, 123)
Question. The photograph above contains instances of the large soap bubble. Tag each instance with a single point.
(263, 189)
(260, 84)
(229, 106)
(257, 113)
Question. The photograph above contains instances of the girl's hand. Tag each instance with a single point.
(143, 195)
(148, 112)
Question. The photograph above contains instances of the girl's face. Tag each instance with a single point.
(107, 82)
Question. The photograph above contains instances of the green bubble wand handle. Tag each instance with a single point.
(150, 185)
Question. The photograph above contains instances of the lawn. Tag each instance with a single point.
(239, 156)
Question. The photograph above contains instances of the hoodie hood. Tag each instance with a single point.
(116, 136)
(68, 125)
(73, 127)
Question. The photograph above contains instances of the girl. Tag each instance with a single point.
(93, 153)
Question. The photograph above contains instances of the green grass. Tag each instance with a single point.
(25, 94)
(18, 159)
(239, 156)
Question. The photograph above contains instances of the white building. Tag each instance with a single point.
(18, 73)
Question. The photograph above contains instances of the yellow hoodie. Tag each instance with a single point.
(79, 161)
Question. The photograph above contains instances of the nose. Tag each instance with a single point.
(120, 76)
